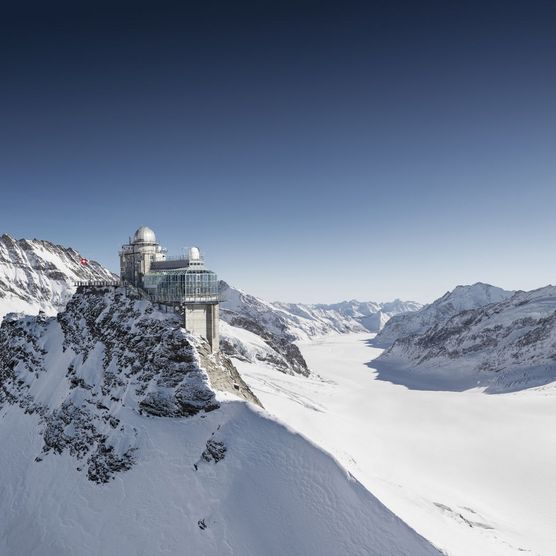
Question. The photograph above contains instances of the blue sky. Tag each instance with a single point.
(314, 151)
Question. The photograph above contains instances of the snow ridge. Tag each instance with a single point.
(351, 316)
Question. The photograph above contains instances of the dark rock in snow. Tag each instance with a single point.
(215, 451)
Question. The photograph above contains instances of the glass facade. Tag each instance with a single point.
(182, 285)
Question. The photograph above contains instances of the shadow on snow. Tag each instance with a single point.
(450, 380)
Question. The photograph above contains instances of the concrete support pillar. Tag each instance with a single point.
(202, 320)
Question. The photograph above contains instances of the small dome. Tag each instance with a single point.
(144, 235)
(194, 254)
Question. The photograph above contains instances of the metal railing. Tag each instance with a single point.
(98, 283)
(210, 299)
(176, 258)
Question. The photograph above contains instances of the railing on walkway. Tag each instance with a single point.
(161, 298)
(98, 283)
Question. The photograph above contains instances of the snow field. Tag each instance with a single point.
(274, 493)
(471, 472)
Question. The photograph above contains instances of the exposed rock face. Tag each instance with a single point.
(38, 275)
(107, 351)
(462, 298)
(223, 375)
(502, 347)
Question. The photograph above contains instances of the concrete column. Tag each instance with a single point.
(203, 320)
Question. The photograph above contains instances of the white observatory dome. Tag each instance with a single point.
(194, 254)
(144, 235)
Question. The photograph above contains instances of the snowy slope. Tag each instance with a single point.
(279, 325)
(252, 344)
(472, 473)
(502, 347)
(114, 442)
(37, 275)
(462, 298)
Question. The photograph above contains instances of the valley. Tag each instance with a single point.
(469, 471)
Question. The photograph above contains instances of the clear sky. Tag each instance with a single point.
(315, 151)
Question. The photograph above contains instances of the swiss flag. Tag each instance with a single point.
(84, 261)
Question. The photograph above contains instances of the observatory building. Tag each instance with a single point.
(137, 256)
(181, 282)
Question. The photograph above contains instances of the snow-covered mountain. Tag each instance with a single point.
(116, 442)
(505, 346)
(253, 329)
(349, 316)
(270, 329)
(462, 298)
(36, 275)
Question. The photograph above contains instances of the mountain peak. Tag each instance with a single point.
(38, 275)
(461, 298)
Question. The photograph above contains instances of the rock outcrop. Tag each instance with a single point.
(108, 350)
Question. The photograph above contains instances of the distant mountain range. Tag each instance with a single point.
(269, 330)
(346, 316)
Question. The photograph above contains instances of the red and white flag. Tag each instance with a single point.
(84, 261)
